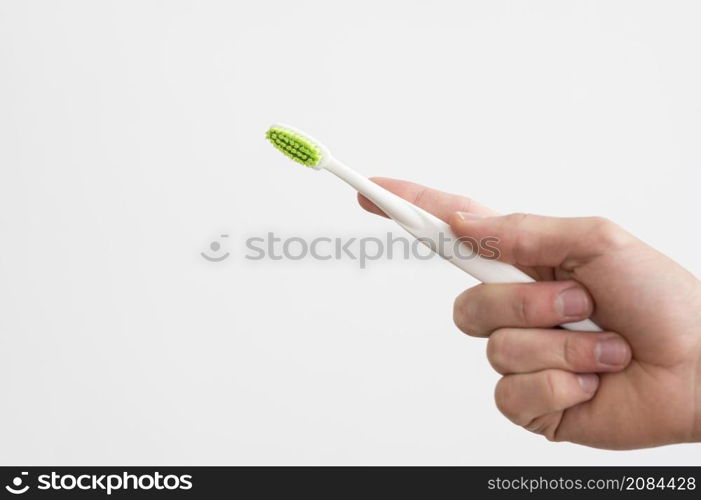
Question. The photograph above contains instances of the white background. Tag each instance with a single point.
(131, 136)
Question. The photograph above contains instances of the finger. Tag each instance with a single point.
(534, 240)
(480, 310)
(511, 350)
(524, 397)
(440, 204)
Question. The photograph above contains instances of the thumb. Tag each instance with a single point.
(534, 240)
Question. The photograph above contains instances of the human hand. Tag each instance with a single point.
(635, 385)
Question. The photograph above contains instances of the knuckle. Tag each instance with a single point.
(550, 386)
(458, 311)
(504, 399)
(467, 204)
(574, 356)
(517, 218)
(464, 311)
(569, 352)
(497, 350)
(525, 245)
(420, 195)
(606, 233)
(523, 308)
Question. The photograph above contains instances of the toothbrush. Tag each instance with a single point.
(426, 227)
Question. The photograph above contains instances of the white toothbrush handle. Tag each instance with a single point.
(438, 235)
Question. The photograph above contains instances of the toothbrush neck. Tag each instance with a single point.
(397, 208)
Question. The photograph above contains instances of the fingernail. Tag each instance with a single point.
(469, 216)
(588, 382)
(572, 303)
(611, 351)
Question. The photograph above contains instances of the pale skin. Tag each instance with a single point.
(635, 385)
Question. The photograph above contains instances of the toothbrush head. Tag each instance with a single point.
(297, 145)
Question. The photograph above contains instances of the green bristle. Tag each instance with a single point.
(295, 146)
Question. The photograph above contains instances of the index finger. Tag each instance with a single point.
(441, 204)
(438, 203)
